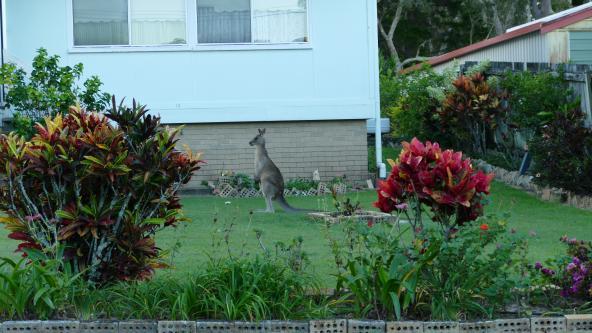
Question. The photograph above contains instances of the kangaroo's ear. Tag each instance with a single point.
(261, 131)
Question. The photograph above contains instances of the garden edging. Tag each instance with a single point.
(568, 323)
(523, 182)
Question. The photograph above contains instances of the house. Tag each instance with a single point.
(561, 38)
(307, 70)
(564, 37)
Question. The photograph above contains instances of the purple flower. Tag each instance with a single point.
(538, 265)
(570, 266)
(33, 218)
(402, 206)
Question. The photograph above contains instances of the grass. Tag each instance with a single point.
(542, 222)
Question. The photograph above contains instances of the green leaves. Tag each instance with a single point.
(40, 289)
(49, 90)
(103, 189)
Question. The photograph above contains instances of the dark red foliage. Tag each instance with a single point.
(96, 187)
(441, 180)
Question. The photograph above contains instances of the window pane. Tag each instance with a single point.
(100, 22)
(223, 21)
(158, 22)
(279, 21)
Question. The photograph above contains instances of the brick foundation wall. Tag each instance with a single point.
(334, 148)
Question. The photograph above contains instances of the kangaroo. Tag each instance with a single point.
(269, 176)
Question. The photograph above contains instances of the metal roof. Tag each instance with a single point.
(543, 25)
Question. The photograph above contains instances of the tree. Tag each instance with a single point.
(390, 12)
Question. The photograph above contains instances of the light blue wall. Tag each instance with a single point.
(580, 47)
(334, 79)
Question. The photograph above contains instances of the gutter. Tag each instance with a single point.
(374, 70)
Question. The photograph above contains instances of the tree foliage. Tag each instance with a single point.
(411, 31)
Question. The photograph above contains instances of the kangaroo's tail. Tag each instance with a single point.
(289, 209)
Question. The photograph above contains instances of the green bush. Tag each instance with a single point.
(415, 98)
(531, 94)
(377, 273)
(473, 275)
(240, 181)
(99, 186)
(562, 152)
(30, 288)
(49, 90)
(301, 184)
(385, 275)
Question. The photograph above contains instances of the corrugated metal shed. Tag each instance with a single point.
(532, 47)
(542, 41)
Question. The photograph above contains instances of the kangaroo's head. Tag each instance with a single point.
(258, 140)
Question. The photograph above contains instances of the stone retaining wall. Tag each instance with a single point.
(514, 179)
(565, 324)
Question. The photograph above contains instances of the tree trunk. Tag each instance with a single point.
(545, 8)
(389, 37)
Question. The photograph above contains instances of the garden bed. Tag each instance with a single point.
(365, 216)
(241, 186)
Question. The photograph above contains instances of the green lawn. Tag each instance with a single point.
(193, 241)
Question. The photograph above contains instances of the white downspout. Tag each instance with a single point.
(374, 54)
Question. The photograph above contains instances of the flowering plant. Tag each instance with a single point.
(573, 274)
(444, 182)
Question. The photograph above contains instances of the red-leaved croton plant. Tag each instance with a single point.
(425, 176)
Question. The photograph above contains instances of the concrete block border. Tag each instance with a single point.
(565, 324)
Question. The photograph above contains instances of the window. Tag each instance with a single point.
(267, 21)
(129, 22)
(223, 21)
(279, 21)
(100, 22)
(188, 22)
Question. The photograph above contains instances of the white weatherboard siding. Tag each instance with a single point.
(529, 48)
(332, 77)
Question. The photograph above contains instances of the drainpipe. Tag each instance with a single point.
(374, 54)
(2, 53)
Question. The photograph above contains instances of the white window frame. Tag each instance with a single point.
(190, 37)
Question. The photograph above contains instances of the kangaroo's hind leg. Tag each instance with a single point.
(268, 202)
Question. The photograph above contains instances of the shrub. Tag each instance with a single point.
(301, 184)
(36, 289)
(49, 89)
(442, 181)
(98, 190)
(571, 272)
(530, 94)
(472, 113)
(413, 99)
(474, 273)
(377, 273)
(240, 181)
(562, 152)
